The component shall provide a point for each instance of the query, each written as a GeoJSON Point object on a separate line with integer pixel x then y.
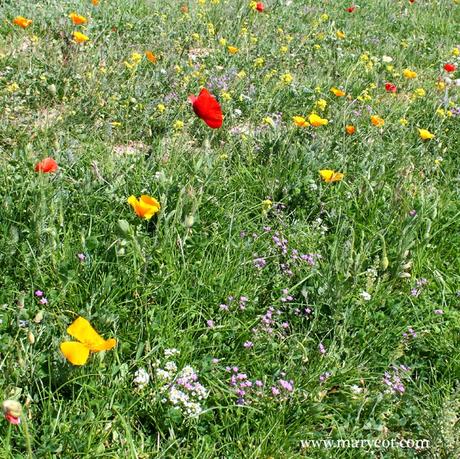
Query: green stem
{"type": "Point", "coordinates": [27, 437]}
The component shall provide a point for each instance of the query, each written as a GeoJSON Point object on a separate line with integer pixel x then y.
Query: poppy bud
{"type": "Point", "coordinates": [189, 221]}
{"type": "Point", "coordinates": [12, 411]}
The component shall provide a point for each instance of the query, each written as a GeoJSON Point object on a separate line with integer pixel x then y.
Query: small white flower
{"type": "Point", "coordinates": [142, 378]}
{"type": "Point", "coordinates": [356, 389]}
{"type": "Point", "coordinates": [387, 59]}
{"type": "Point", "coordinates": [365, 296]}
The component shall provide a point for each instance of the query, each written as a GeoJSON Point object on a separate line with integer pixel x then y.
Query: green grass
{"type": "Point", "coordinates": [153, 286]}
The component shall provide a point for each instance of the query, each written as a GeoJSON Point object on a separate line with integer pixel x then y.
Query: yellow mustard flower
{"type": "Point", "coordinates": [321, 104]}
{"type": "Point", "coordinates": [287, 78]}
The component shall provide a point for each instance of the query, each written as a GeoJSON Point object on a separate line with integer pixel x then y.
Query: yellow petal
{"type": "Point", "coordinates": [82, 330]}
{"type": "Point", "coordinates": [75, 353]}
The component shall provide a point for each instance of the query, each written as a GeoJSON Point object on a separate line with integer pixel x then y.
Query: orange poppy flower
{"type": "Point", "coordinates": [377, 121]}
{"type": "Point", "coordinates": [338, 92]}
{"type": "Point", "coordinates": [145, 207]}
{"type": "Point", "coordinates": [77, 19]}
{"type": "Point", "coordinates": [151, 57]}
{"type": "Point", "coordinates": [350, 129]}
{"type": "Point", "coordinates": [77, 353]}
{"type": "Point", "coordinates": [22, 22]}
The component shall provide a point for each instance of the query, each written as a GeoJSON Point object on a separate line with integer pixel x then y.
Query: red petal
{"type": "Point", "coordinates": [208, 109]}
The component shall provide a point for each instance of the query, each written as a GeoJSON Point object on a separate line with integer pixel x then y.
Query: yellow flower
{"type": "Point", "coordinates": [284, 49]}
{"type": "Point", "coordinates": [178, 125]}
{"type": "Point", "coordinates": [196, 36]}
{"type": "Point", "coordinates": [317, 46]}
{"type": "Point", "coordinates": [317, 121]}
{"type": "Point", "coordinates": [340, 35]}
{"type": "Point", "coordinates": [22, 21]}
{"type": "Point", "coordinates": [331, 176]}
{"type": "Point", "coordinates": [420, 92]}
{"type": "Point", "coordinates": [266, 205]}
{"type": "Point", "coordinates": [300, 121]}
{"type": "Point", "coordinates": [456, 51]}
{"type": "Point", "coordinates": [222, 41]}
{"type": "Point", "coordinates": [79, 37]}
{"type": "Point", "coordinates": [377, 121]}
{"type": "Point", "coordinates": [324, 17]}
{"type": "Point", "coordinates": [77, 19]}
{"type": "Point", "coordinates": [135, 58]}
{"type": "Point", "coordinates": [286, 78]}
{"type": "Point", "coordinates": [145, 207]}
{"type": "Point", "coordinates": [161, 108]}
{"type": "Point", "coordinates": [425, 134]}
{"type": "Point", "coordinates": [321, 104]}
{"type": "Point", "coordinates": [403, 122]}
{"type": "Point", "coordinates": [269, 121]}
{"type": "Point", "coordinates": [12, 87]}
{"type": "Point", "coordinates": [441, 112]}
{"type": "Point", "coordinates": [90, 341]}
{"type": "Point", "coordinates": [337, 92]}
{"type": "Point", "coordinates": [440, 85]}
{"type": "Point", "coordinates": [226, 96]}
{"type": "Point", "coordinates": [241, 74]}
{"type": "Point", "coordinates": [259, 62]}
{"type": "Point", "coordinates": [409, 74]}
{"type": "Point", "coordinates": [232, 49]}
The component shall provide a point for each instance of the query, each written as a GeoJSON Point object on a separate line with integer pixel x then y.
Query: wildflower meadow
{"type": "Point", "coordinates": [230, 229]}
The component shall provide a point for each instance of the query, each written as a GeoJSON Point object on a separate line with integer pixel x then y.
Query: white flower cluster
{"type": "Point", "coordinates": [181, 388]}
{"type": "Point", "coordinates": [141, 378]}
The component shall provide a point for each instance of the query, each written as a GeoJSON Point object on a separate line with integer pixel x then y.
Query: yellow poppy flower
{"type": "Point", "coordinates": [337, 92]}
{"type": "Point", "coordinates": [77, 19]}
{"type": "Point", "coordinates": [425, 134]}
{"type": "Point", "coordinates": [300, 121]}
{"type": "Point", "coordinates": [145, 207]}
{"type": "Point", "coordinates": [317, 121]}
{"type": "Point", "coordinates": [22, 21]}
{"type": "Point", "coordinates": [77, 353]}
{"type": "Point", "coordinates": [232, 49]}
{"type": "Point", "coordinates": [331, 176]}
{"type": "Point", "coordinates": [340, 35]}
{"type": "Point", "coordinates": [407, 73]}
{"type": "Point", "coordinates": [80, 37]}
{"type": "Point", "coordinates": [377, 121]}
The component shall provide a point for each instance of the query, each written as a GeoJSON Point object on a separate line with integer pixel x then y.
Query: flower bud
{"type": "Point", "coordinates": [12, 411]}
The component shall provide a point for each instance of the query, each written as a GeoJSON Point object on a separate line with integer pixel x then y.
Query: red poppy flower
{"type": "Point", "coordinates": [390, 87]}
{"type": "Point", "coordinates": [260, 7]}
{"type": "Point", "coordinates": [450, 67]}
{"type": "Point", "coordinates": [207, 108]}
{"type": "Point", "coordinates": [350, 9]}
{"type": "Point", "coordinates": [47, 165]}
{"type": "Point", "coordinates": [411, 1]}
